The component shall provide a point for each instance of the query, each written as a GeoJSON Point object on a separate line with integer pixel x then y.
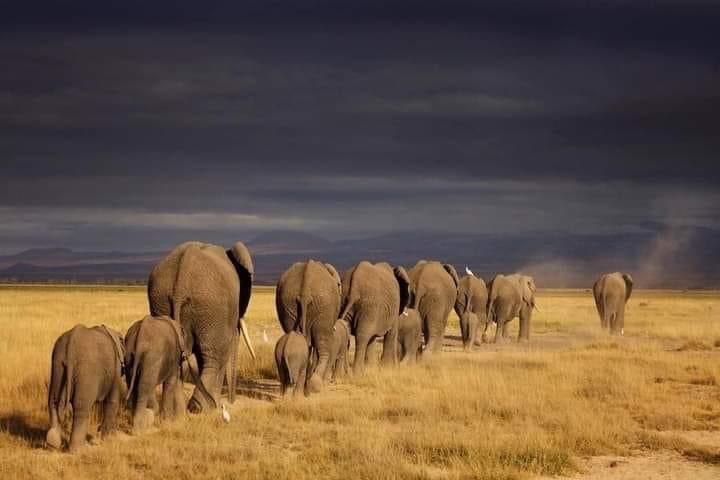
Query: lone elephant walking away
{"type": "Point", "coordinates": [206, 289]}
{"type": "Point", "coordinates": [307, 300]}
{"type": "Point", "coordinates": [87, 365]}
{"type": "Point", "coordinates": [611, 292]}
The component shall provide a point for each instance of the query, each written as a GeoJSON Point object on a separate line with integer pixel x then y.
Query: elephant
{"type": "Point", "coordinates": [611, 292]}
{"type": "Point", "coordinates": [339, 352]}
{"type": "Point", "coordinates": [435, 286]}
{"type": "Point", "coordinates": [87, 367]}
{"type": "Point", "coordinates": [510, 296]}
{"type": "Point", "coordinates": [470, 307]}
{"type": "Point", "coordinates": [307, 300]}
{"type": "Point", "coordinates": [206, 289]}
{"type": "Point", "coordinates": [292, 359]}
{"type": "Point", "coordinates": [409, 336]}
{"type": "Point", "coordinates": [154, 354]}
{"type": "Point", "coordinates": [373, 297]}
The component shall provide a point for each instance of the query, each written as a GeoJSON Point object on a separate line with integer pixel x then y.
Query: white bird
{"type": "Point", "coordinates": [468, 271]}
{"type": "Point", "coordinates": [265, 337]}
{"type": "Point", "coordinates": [225, 414]}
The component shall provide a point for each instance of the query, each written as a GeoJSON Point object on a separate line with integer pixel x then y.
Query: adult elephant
{"type": "Point", "coordinates": [307, 300]}
{"type": "Point", "coordinates": [511, 296]}
{"type": "Point", "coordinates": [611, 292]}
{"type": "Point", "coordinates": [435, 286]}
{"type": "Point", "coordinates": [471, 308]}
{"type": "Point", "coordinates": [373, 297]}
{"type": "Point", "coordinates": [206, 289]}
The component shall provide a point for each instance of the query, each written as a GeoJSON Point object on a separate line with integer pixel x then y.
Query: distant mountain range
{"type": "Point", "coordinates": [677, 258]}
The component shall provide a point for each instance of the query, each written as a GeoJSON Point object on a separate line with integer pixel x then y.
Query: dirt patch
{"type": "Point", "coordinates": [656, 466]}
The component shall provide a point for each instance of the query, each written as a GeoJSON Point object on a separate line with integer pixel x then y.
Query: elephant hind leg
{"type": "Point", "coordinates": [361, 349]}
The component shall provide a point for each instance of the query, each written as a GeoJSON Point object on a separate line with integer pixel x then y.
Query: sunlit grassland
{"type": "Point", "coordinates": [506, 411]}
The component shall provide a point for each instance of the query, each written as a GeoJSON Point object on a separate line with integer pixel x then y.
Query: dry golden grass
{"type": "Point", "coordinates": [501, 412]}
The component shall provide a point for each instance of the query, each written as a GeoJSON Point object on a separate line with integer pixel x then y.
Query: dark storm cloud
{"type": "Point", "coordinates": [120, 119]}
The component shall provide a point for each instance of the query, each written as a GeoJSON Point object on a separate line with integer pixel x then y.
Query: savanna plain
{"type": "Point", "coordinates": [573, 402]}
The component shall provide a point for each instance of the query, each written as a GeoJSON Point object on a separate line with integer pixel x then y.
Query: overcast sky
{"type": "Point", "coordinates": [134, 125]}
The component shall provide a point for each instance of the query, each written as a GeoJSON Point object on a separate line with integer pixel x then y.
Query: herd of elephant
{"type": "Point", "coordinates": [198, 296]}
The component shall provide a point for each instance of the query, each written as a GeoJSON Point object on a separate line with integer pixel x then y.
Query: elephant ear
{"type": "Point", "coordinates": [336, 276]}
{"type": "Point", "coordinates": [240, 257]}
{"type": "Point", "coordinates": [628, 285]}
{"type": "Point", "coordinates": [406, 294]}
{"type": "Point", "coordinates": [453, 273]}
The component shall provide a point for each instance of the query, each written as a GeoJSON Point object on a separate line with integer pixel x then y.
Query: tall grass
{"type": "Point", "coordinates": [500, 412]}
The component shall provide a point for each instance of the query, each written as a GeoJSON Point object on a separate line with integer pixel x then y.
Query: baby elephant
{"type": "Point", "coordinates": [409, 336]}
{"type": "Point", "coordinates": [291, 356]}
{"type": "Point", "coordinates": [154, 349]}
{"type": "Point", "coordinates": [339, 361]}
{"type": "Point", "coordinates": [87, 365]}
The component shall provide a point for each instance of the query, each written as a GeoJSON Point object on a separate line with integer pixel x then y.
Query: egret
{"type": "Point", "coordinates": [468, 271]}
{"type": "Point", "coordinates": [225, 414]}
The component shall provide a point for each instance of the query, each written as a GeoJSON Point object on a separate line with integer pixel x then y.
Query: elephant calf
{"type": "Point", "coordinates": [339, 355]}
{"type": "Point", "coordinates": [291, 357]}
{"type": "Point", "coordinates": [409, 336]}
{"type": "Point", "coordinates": [154, 349]}
{"type": "Point", "coordinates": [87, 366]}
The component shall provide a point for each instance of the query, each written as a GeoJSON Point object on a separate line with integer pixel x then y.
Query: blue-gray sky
{"type": "Point", "coordinates": [135, 125]}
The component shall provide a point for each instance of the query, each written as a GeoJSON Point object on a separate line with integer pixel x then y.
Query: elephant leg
{"type": "Point", "coordinates": [211, 376]}
{"type": "Point", "coordinates": [330, 370]}
{"type": "Point", "coordinates": [620, 321]}
{"type": "Point", "coordinates": [231, 369]}
{"type": "Point", "coordinates": [500, 330]}
{"type": "Point", "coordinates": [322, 340]}
{"type": "Point", "coordinates": [172, 397]}
{"type": "Point", "coordinates": [81, 418]}
{"type": "Point", "coordinates": [465, 330]}
{"type": "Point", "coordinates": [361, 348]}
{"type": "Point", "coordinates": [111, 407]}
{"type": "Point", "coordinates": [525, 314]}
{"type": "Point", "coordinates": [389, 354]}
{"type": "Point", "coordinates": [145, 402]}
{"type": "Point", "coordinates": [436, 321]}
{"type": "Point", "coordinates": [300, 384]}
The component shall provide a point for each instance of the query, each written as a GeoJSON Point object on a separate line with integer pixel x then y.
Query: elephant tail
{"type": "Point", "coordinates": [59, 379]}
{"type": "Point", "coordinates": [491, 309]}
{"type": "Point", "coordinates": [301, 323]}
{"type": "Point", "coordinates": [133, 375]}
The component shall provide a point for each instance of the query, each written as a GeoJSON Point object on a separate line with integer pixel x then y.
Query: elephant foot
{"type": "Point", "coordinates": [54, 438]}
{"type": "Point", "coordinates": [523, 340]}
{"type": "Point", "coordinates": [93, 440]}
{"type": "Point", "coordinates": [315, 384]}
{"type": "Point", "coordinates": [194, 406]}
{"type": "Point", "coordinates": [143, 420]}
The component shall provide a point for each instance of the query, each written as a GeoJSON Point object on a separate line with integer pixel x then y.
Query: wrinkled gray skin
{"type": "Point", "coordinates": [86, 368]}
{"type": "Point", "coordinates": [471, 309]}
{"type": "Point", "coordinates": [206, 289]}
{"type": "Point", "coordinates": [292, 358]}
{"type": "Point", "coordinates": [339, 356]}
{"type": "Point", "coordinates": [373, 297]}
{"type": "Point", "coordinates": [307, 300]}
{"type": "Point", "coordinates": [611, 292]}
{"type": "Point", "coordinates": [435, 286]}
{"type": "Point", "coordinates": [152, 358]}
{"type": "Point", "coordinates": [409, 336]}
{"type": "Point", "coordinates": [510, 296]}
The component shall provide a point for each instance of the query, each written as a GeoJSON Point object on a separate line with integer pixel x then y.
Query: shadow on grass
{"type": "Point", "coordinates": [18, 426]}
